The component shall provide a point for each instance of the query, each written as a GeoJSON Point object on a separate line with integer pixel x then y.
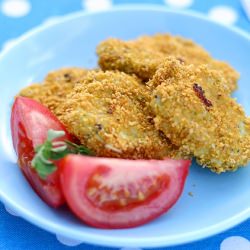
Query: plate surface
{"type": "Point", "coordinates": [219, 201]}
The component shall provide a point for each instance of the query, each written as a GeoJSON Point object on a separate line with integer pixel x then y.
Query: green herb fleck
{"type": "Point", "coordinates": [50, 151]}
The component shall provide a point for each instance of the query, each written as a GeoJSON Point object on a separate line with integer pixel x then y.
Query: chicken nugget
{"type": "Point", "coordinates": [54, 89]}
{"type": "Point", "coordinates": [144, 55]}
{"type": "Point", "coordinates": [194, 112]}
{"type": "Point", "coordinates": [107, 112]}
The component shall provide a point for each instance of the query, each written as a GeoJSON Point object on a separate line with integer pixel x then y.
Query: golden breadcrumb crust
{"type": "Point", "coordinates": [193, 110]}
{"type": "Point", "coordinates": [52, 92]}
{"type": "Point", "coordinates": [107, 112]}
{"type": "Point", "coordinates": [144, 55]}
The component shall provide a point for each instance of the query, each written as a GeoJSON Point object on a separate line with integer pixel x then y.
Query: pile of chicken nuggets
{"type": "Point", "coordinates": [151, 98]}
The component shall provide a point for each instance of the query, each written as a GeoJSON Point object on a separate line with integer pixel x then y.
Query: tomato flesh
{"type": "Point", "coordinates": [123, 196]}
{"type": "Point", "coordinates": [118, 193]}
{"type": "Point", "coordinates": [30, 122]}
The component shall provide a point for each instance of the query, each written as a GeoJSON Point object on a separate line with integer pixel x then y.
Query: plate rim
{"type": "Point", "coordinates": [92, 238]}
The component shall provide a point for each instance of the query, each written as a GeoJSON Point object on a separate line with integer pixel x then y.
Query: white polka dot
{"type": "Point", "coordinates": [10, 211]}
{"type": "Point", "coordinates": [15, 8]}
{"type": "Point", "coordinates": [235, 243]}
{"type": "Point", "coordinates": [94, 5]}
{"type": "Point", "coordinates": [10, 43]}
{"type": "Point", "coordinates": [223, 14]}
{"type": "Point", "coordinates": [68, 242]}
{"type": "Point", "coordinates": [179, 3]}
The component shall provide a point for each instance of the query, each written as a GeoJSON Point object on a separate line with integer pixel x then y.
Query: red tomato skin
{"type": "Point", "coordinates": [69, 170]}
{"type": "Point", "coordinates": [30, 122]}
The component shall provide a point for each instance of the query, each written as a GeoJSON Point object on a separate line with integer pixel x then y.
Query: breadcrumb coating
{"type": "Point", "coordinates": [144, 55]}
{"type": "Point", "coordinates": [184, 110]}
{"type": "Point", "coordinates": [193, 110]}
{"type": "Point", "coordinates": [53, 91]}
{"type": "Point", "coordinates": [107, 112]}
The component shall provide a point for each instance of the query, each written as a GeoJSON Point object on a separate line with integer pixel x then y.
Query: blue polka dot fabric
{"type": "Point", "coordinates": [17, 17]}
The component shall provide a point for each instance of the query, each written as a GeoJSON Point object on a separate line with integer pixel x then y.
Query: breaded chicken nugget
{"type": "Point", "coordinates": [144, 55]}
{"type": "Point", "coordinates": [56, 86]}
{"type": "Point", "coordinates": [107, 112]}
{"type": "Point", "coordinates": [194, 112]}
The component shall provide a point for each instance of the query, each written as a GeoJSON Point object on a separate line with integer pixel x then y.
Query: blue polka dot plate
{"type": "Point", "coordinates": [218, 202]}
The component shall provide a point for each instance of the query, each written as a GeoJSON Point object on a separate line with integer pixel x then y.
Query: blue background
{"type": "Point", "coordinates": [16, 233]}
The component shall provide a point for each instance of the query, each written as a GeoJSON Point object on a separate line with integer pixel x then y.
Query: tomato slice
{"type": "Point", "coordinates": [30, 122]}
{"type": "Point", "coordinates": [118, 193]}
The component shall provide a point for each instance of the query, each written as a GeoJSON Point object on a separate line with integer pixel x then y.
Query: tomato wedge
{"type": "Point", "coordinates": [118, 193]}
{"type": "Point", "coordinates": [30, 122]}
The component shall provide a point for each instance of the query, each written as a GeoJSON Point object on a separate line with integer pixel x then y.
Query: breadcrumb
{"type": "Point", "coordinates": [108, 113]}
{"type": "Point", "coordinates": [53, 91]}
{"type": "Point", "coordinates": [193, 110]}
{"type": "Point", "coordinates": [144, 56]}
